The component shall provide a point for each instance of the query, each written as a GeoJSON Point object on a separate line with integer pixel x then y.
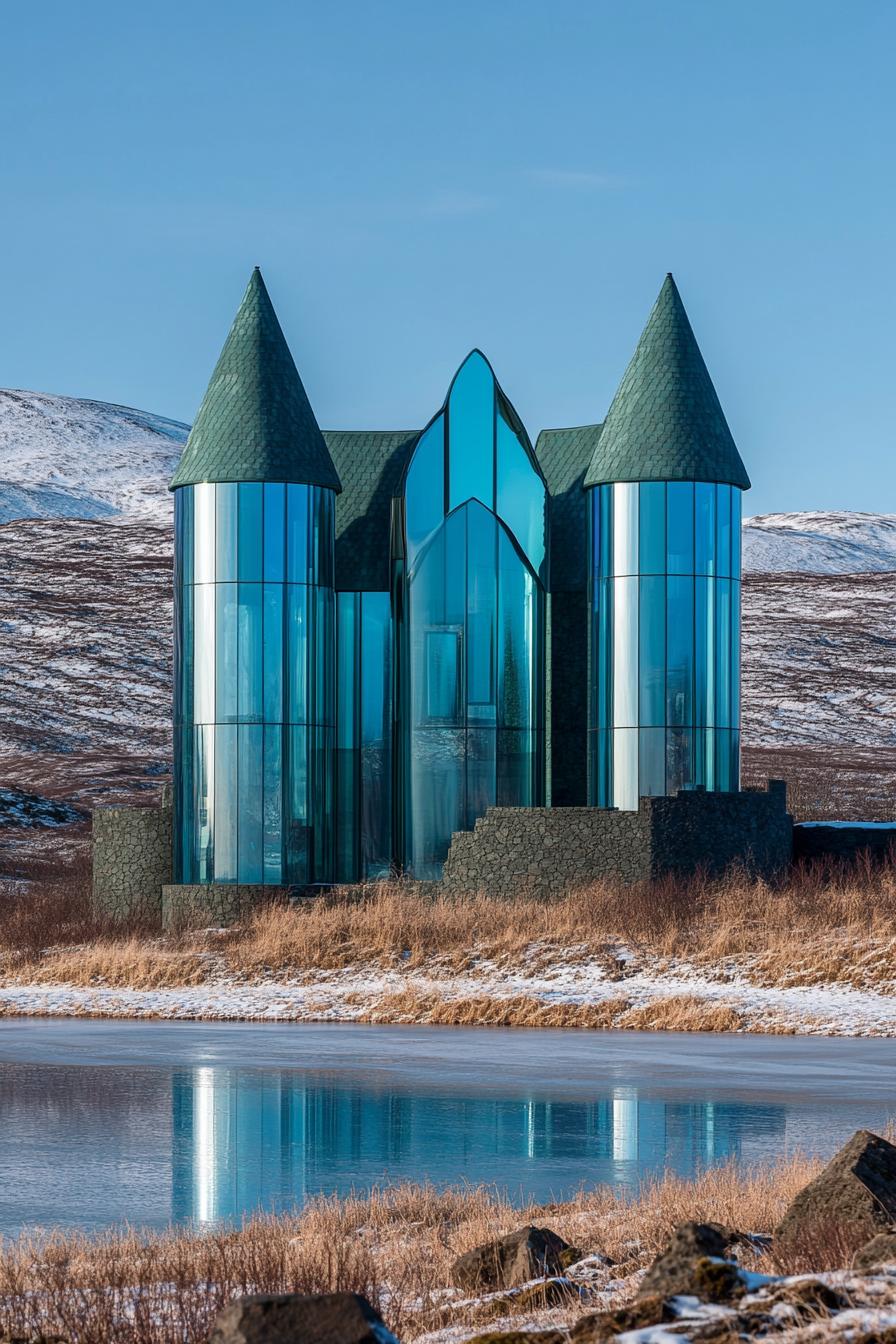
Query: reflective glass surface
{"type": "Point", "coordinates": [254, 689]}
{"type": "Point", "coordinates": [471, 622]}
{"type": "Point", "coordinates": [665, 680]}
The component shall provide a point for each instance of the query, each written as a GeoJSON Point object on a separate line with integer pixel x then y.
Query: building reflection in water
{"type": "Point", "coordinates": [248, 1139]}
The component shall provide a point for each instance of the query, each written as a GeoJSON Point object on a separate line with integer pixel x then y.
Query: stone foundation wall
{"type": "Point", "coordinates": [131, 860]}
{"type": "Point", "coordinates": [216, 904]}
{"type": "Point", "coordinates": [844, 843]}
{"type": "Point", "coordinates": [548, 851]}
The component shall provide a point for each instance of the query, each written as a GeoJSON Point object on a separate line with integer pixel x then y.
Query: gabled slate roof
{"type": "Point", "coordinates": [665, 422]}
{"type": "Point", "coordinates": [370, 465]}
{"type": "Point", "coordinates": [564, 455]}
{"type": "Point", "coordinates": [255, 422]}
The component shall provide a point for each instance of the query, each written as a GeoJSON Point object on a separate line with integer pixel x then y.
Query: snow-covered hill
{"type": "Point", "coordinates": [820, 543]}
{"type": "Point", "coordinates": [62, 457]}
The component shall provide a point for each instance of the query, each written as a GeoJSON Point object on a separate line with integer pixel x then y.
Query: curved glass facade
{"type": "Point", "coordinates": [472, 622]}
{"type": "Point", "coordinates": [665, 640]}
{"type": "Point", "coordinates": [254, 683]}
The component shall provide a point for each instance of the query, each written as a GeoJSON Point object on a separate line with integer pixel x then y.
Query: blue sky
{"type": "Point", "coordinates": [416, 178]}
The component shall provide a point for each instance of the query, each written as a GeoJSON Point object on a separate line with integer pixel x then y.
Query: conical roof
{"type": "Point", "coordinates": [255, 422]}
{"type": "Point", "coordinates": [666, 423]}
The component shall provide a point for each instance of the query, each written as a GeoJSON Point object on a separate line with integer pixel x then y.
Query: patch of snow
{"type": "Point", "coordinates": [820, 542]}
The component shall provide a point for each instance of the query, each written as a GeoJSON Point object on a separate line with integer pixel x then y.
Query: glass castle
{"type": "Point", "coordinates": [381, 634]}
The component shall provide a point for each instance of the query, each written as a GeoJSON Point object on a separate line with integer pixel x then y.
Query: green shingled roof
{"type": "Point", "coordinates": [564, 456]}
{"type": "Point", "coordinates": [665, 423]}
{"type": "Point", "coordinates": [370, 464]}
{"type": "Point", "coordinates": [255, 422]}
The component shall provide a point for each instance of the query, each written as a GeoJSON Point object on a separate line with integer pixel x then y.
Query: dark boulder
{"type": "Point", "coordinates": [857, 1188]}
{"type": "Point", "coordinates": [606, 1325]}
{"type": "Point", "coordinates": [528, 1253]}
{"type": "Point", "coordinates": [694, 1262]}
{"type": "Point", "coordinates": [880, 1250]}
{"type": "Point", "coordinates": [294, 1318]}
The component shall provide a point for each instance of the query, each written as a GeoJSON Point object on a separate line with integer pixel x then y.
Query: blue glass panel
{"type": "Point", "coordinates": [625, 528]}
{"type": "Point", "coordinates": [625, 769]}
{"type": "Point", "coordinates": [273, 806]}
{"type": "Point", "coordinates": [203, 803]}
{"type": "Point", "coordinates": [273, 652]}
{"type": "Point", "coordinates": [455, 571]}
{"type": "Point", "coordinates": [249, 657]}
{"type": "Point", "coordinates": [704, 653]}
{"type": "Point", "coordinates": [603, 655]}
{"type": "Point", "coordinates": [274, 532]}
{"type": "Point", "coordinates": [297, 534]}
{"type": "Point", "coordinates": [183, 655]}
{"type": "Point", "coordinates": [204, 533]}
{"type": "Point", "coordinates": [652, 527]}
{"type": "Point", "coordinates": [226, 653]}
{"type": "Point", "coordinates": [226, 516]}
{"type": "Point", "coordinates": [704, 758]}
{"type": "Point", "coordinates": [724, 780]}
{"type": "Point", "coordinates": [519, 640]}
{"type": "Point", "coordinates": [347, 793]}
{"type": "Point", "coordinates": [425, 488]}
{"type": "Point", "coordinates": [705, 527]}
{"type": "Point", "coordinates": [320, 784]}
{"type": "Point", "coordinates": [480, 773]}
{"type": "Point", "coordinates": [437, 798]}
{"type": "Point", "coordinates": [226, 803]}
{"type": "Point", "coordinates": [604, 499]}
{"type": "Point", "coordinates": [516, 757]}
{"type": "Point", "coordinates": [521, 496]}
{"type": "Point", "coordinates": [625, 654]}
{"type": "Point", "coordinates": [679, 759]}
{"type": "Point", "coordinates": [723, 529]}
{"type": "Point", "coordinates": [251, 535]}
{"type": "Point", "coordinates": [297, 652]}
{"type": "Point", "coordinates": [442, 671]}
{"type": "Point", "coordinates": [297, 829]}
{"type": "Point", "coordinates": [723, 654]}
{"type": "Point", "coordinates": [652, 653]}
{"type": "Point", "coordinates": [204, 653]}
{"type": "Point", "coordinates": [734, 669]}
{"type": "Point", "coordinates": [347, 668]}
{"type": "Point", "coordinates": [251, 803]}
{"type": "Point", "coordinates": [183, 775]}
{"type": "Point", "coordinates": [321, 690]}
{"type": "Point", "coordinates": [471, 434]}
{"type": "Point", "coordinates": [680, 651]}
{"type": "Point", "coordinates": [376, 734]}
{"type": "Point", "coordinates": [736, 534]}
{"type": "Point", "coordinates": [652, 762]}
{"type": "Point", "coordinates": [482, 601]}
{"type": "Point", "coordinates": [184, 539]}
{"type": "Point", "coordinates": [680, 527]}
{"type": "Point", "coordinates": [323, 506]}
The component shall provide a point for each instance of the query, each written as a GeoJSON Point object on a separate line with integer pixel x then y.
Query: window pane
{"type": "Point", "coordinates": [481, 621]}
{"type": "Point", "coordinates": [723, 760]}
{"type": "Point", "coordinates": [249, 660]}
{"type": "Point", "coordinates": [183, 534]}
{"type": "Point", "coordinates": [516, 766]}
{"type": "Point", "coordinates": [679, 759]}
{"type": "Point", "coordinates": [226, 802]}
{"type": "Point", "coordinates": [323, 505]}
{"type": "Point", "coordinates": [481, 773]}
{"type": "Point", "coordinates": [204, 653]}
{"type": "Point", "coordinates": [519, 640]}
{"type": "Point", "coordinates": [226, 507]}
{"type": "Point", "coordinates": [425, 488]}
{"type": "Point", "coordinates": [204, 530]}
{"type": "Point", "coordinates": [653, 651]}
{"type": "Point", "coordinates": [226, 647]}
{"type": "Point", "coordinates": [297, 534]}
{"type": "Point", "coordinates": [625, 653]}
{"type": "Point", "coordinates": [652, 762]}
{"type": "Point", "coordinates": [203, 807]}
{"type": "Point", "coordinates": [297, 838]}
{"type": "Point", "coordinates": [625, 528]}
{"type": "Point", "coordinates": [521, 496]}
{"type": "Point", "coordinates": [680, 651]}
{"type": "Point", "coordinates": [604, 500]}
{"type": "Point", "coordinates": [273, 805]}
{"type": "Point", "coordinates": [704, 652]}
{"type": "Point", "coordinates": [736, 534]}
{"type": "Point", "coordinates": [705, 527]}
{"type": "Point", "coordinates": [652, 527]}
{"type": "Point", "coordinates": [251, 796]}
{"type": "Point", "coordinates": [437, 801]}
{"type": "Point", "coordinates": [250, 532]}
{"type": "Point", "coordinates": [734, 669]}
{"type": "Point", "coordinates": [347, 668]}
{"type": "Point", "coordinates": [680, 527]}
{"type": "Point", "coordinates": [274, 532]}
{"type": "Point", "coordinates": [443, 650]}
{"type": "Point", "coordinates": [471, 435]}
{"type": "Point", "coordinates": [273, 652]}
{"type": "Point", "coordinates": [723, 654]}
{"type": "Point", "coordinates": [376, 733]}
{"type": "Point", "coordinates": [723, 528]}
{"type": "Point", "coordinates": [297, 652]}
{"type": "Point", "coordinates": [625, 769]}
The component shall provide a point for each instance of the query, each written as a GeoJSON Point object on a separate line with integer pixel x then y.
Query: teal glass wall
{"type": "Point", "coordinates": [363, 736]}
{"type": "Point", "coordinates": [472, 612]}
{"type": "Point", "coordinates": [665, 640]}
{"type": "Point", "coordinates": [254, 683]}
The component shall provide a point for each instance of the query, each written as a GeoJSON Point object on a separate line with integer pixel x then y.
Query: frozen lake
{"type": "Point", "coordinates": [151, 1123]}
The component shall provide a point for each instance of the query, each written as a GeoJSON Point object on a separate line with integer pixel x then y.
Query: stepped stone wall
{"type": "Point", "coordinates": [547, 851]}
{"type": "Point", "coordinates": [132, 860]}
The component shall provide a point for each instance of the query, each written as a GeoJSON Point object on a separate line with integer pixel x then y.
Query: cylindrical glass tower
{"type": "Point", "coordinates": [254, 672]}
{"type": "Point", "coordinates": [665, 516]}
{"type": "Point", "coordinates": [254, 712]}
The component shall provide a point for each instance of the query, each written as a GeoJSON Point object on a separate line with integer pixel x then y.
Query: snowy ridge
{"type": "Point", "coordinates": [820, 543]}
{"type": "Point", "coordinates": [63, 457]}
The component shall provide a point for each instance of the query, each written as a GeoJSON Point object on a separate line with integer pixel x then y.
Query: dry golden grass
{"type": "Point", "coordinates": [520, 1010]}
{"type": "Point", "coordinates": [395, 1247]}
{"type": "Point", "coordinates": [130, 963]}
{"type": "Point", "coordinates": [680, 1012]}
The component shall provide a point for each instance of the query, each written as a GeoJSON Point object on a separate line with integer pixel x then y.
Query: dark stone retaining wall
{"type": "Point", "coordinates": [848, 843]}
{"type": "Point", "coordinates": [546, 851]}
{"type": "Point", "coordinates": [132, 860]}
{"type": "Point", "coordinates": [217, 903]}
